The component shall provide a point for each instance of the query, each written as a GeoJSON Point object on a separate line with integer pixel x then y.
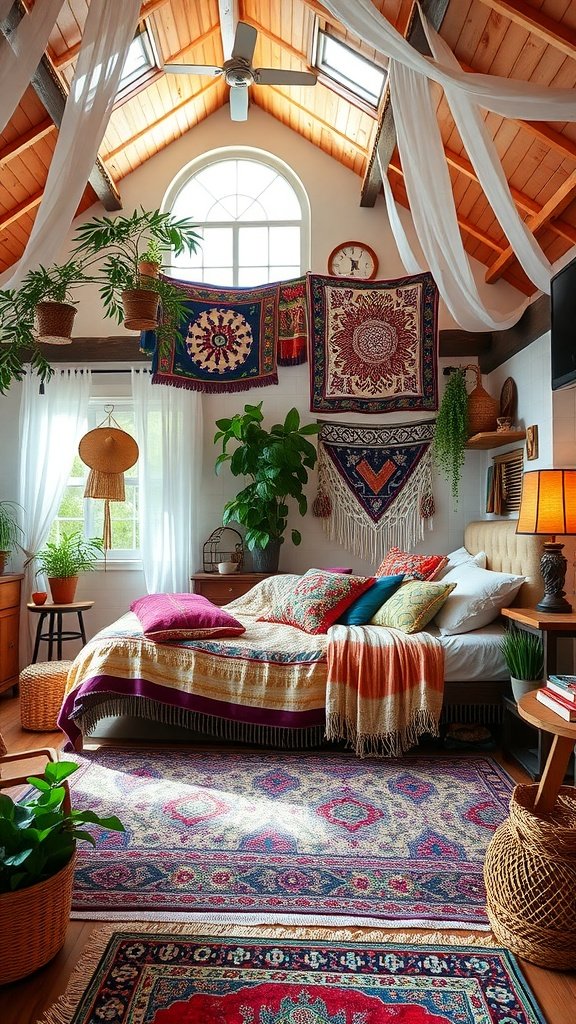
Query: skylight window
{"type": "Point", "coordinates": [356, 74]}
{"type": "Point", "coordinates": [139, 66]}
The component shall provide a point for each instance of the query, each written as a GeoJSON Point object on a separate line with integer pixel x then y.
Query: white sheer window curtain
{"type": "Point", "coordinates": [169, 435]}
{"type": "Point", "coordinates": [108, 32]}
{"type": "Point", "coordinates": [51, 425]}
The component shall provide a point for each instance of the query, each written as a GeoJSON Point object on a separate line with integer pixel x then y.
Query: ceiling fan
{"type": "Point", "coordinates": [239, 73]}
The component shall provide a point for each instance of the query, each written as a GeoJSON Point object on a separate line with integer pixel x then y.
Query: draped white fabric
{"type": "Point", "coordinates": [411, 264]}
{"type": "Point", "coordinates": [51, 426]}
{"type": "Point", "coordinates": [434, 213]}
{"type": "Point", "coordinates": [169, 435]}
{"type": "Point", "coordinates": [108, 32]}
{"type": "Point", "coordinates": [21, 54]}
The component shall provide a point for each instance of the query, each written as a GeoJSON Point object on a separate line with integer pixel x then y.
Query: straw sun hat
{"type": "Point", "coordinates": [109, 452]}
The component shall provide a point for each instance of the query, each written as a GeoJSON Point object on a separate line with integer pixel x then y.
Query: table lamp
{"type": "Point", "coordinates": [548, 506]}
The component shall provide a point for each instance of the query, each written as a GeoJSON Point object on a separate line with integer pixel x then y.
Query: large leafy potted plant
{"type": "Point", "coordinates": [63, 560]}
{"type": "Point", "coordinates": [523, 653]}
{"type": "Point", "coordinates": [10, 531]}
{"type": "Point", "coordinates": [49, 291]}
{"type": "Point", "coordinates": [37, 846]}
{"type": "Point", "coordinates": [276, 462]}
{"type": "Point", "coordinates": [451, 429]}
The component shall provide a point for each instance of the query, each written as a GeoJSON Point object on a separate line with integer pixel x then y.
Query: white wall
{"type": "Point", "coordinates": [334, 194]}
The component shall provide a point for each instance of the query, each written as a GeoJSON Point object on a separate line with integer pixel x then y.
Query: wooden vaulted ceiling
{"type": "Point", "coordinates": [533, 40]}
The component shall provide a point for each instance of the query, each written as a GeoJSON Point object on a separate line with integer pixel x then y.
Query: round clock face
{"type": "Point", "coordinates": [353, 259]}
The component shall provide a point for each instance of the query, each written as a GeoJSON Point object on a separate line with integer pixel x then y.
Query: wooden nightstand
{"type": "Point", "coordinates": [220, 589]}
{"type": "Point", "coordinates": [9, 629]}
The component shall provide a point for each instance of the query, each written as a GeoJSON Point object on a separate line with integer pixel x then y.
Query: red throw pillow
{"type": "Point", "coordinates": [413, 567]}
{"type": "Point", "coordinates": [183, 617]}
{"type": "Point", "coordinates": [318, 599]}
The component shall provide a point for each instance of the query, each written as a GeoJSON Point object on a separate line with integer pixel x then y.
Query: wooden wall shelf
{"type": "Point", "coordinates": [494, 439]}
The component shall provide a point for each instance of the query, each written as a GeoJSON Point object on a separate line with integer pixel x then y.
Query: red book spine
{"type": "Point", "coordinates": [564, 708]}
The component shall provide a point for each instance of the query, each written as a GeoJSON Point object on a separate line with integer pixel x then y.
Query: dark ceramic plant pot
{"type": "Point", "coordinates": [266, 559]}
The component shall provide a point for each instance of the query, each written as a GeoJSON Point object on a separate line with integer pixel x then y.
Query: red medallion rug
{"type": "Point", "coordinates": [170, 977]}
{"type": "Point", "coordinates": [318, 838]}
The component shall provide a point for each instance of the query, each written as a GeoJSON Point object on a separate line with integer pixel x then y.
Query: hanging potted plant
{"type": "Point", "coordinates": [62, 561]}
{"type": "Point", "coordinates": [277, 463]}
{"type": "Point", "coordinates": [19, 342]}
{"type": "Point", "coordinates": [129, 295]}
{"type": "Point", "coordinates": [37, 846]}
{"type": "Point", "coordinates": [451, 429]}
{"type": "Point", "coordinates": [150, 263]}
{"type": "Point", "coordinates": [49, 292]}
{"type": "Point", "coordinates": [10, 531]}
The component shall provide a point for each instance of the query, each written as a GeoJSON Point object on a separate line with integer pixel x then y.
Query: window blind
{"type": "Point", "coordinates": [511, 466]}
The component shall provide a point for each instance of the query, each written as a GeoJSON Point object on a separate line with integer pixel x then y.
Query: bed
{"type": "Point", "coordinates": [268, 686]}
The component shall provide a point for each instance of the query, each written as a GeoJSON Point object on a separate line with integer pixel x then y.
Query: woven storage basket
{"type": "Point", "coordinates": [140, 309]}
{"type": "Point", "coordinates": [530, 877]}
{"type": "Point", "coordinates": [33, 924]}
{"type": "Point", "coordinates": [54, 321]}
{"type": "Point", "coordinates": [482, 408]}
{"type": "Point", "coordinates": [41, 694]}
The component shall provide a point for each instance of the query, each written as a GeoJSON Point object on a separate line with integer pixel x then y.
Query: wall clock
{"type": "Point", "coordinates": [353, 259]}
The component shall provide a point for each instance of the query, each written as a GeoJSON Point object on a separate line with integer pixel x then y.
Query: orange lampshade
{"type": "Point", "coordinates": [548, 502]}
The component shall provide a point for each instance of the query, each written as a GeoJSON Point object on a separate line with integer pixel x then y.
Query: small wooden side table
{"type": "Point", "coordinates": [548, 625]}
{"type": "Point", "coordinates": [55, 632]}
{"type": "Point", "coordinates": [222, 588]}
{"type": "Point", "coordinates": [561, 750]}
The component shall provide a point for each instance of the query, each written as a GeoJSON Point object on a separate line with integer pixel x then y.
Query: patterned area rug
{"type": "Point", "coordinates": [321, 838]}
{"type": "Point", "coordinates": [169, 977]}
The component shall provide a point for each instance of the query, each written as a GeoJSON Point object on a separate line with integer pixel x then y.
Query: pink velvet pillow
{"type": "Point", "coordinates": [183, 617]}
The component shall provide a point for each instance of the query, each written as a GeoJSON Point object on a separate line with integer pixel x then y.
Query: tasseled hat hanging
{"type": "Point", "coordinates": [109, 452]}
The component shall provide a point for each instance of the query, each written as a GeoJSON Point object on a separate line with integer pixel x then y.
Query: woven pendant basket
{"type": "Point", "coordinates": [482, 408]}
{"type": "Point", "coordinates": [140, 309]}
{"type": "Point", "coordinates": [33, 924]}
{"type": "Point", "coordinates": [530, 878]}
{"type": "Point", "coordinates": [109, 451]}
{"type": "Point", "coordinates": [54, 322]}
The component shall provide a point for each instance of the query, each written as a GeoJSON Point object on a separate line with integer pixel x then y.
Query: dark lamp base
{"type": "Point", "coordinates": [554, 603]}
{"type": "Point", "coordinates": [553, 567]}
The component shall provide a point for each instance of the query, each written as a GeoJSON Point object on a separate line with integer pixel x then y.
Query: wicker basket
{"type": "Point", "coordinates": [54, 322]}
{"type": "Point", "coordinates": [530, 877]}
{"type": "Point", "coordinates": [483, 410]}
{"type": "Point", "coordinates": [140, 309]}
{"type": "Point", "coordinates": [33, 924]}
{"type": "Point", "coordinates": [42, 689]}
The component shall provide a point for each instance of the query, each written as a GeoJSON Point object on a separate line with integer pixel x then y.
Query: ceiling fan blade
{"type": "Point", "coordinates": [275, 76]}
{"type": "Point", "coordinates": [244, 41]}
{"type": "Point", "coordinates": [239, 103]}
{"type": "Point", "coordinates": [192, 69]}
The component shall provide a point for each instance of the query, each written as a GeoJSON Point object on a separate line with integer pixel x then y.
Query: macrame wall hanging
{"type": "Point", "coordinates": [375, 485]}
{"type": "Point", "coordinates": [109, 451]}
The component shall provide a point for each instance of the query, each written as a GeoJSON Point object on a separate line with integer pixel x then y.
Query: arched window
{"type": "Point", "coordinates": [253, 215]}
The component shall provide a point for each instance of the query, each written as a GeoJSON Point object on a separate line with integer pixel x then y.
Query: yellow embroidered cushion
{"type": "Point", "coordinates": [412, 606]}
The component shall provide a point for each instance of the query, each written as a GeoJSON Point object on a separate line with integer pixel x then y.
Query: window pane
{"type": "Point", "coordinates": [217, 247]}
{"type": "Point", "coordinates": [284, 245]}
{"type": "Point", "coordinates": [250, 276]}
{"type": "Point", "coordinates": [253, 247]}
{"type": "Point", "coordinates": [280, 201]}
{"type": "Point", "coordinates": [359, 75]}
{"type": "Point", "coordinates": [222, 276]}
{"type": "Point", "coordinates": [254, 177]}
{"type": "Point", "coordinates": [283, 273]}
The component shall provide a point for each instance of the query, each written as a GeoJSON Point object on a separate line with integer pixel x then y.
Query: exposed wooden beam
{"type": "Point", "coordinates": [30, 203]}
{"type": "Point", "coordinates": [385, 140]}
{"type": "Point", "coordinates": [555, 205]}
{"type": "Point", "coordinates": [33, 135]}
{"type": "Point", "coordinates": [539, 24]}
{"type": "Point", "coordinates": [62, 60]}
{"type": "Point", "coordinates": [51, 92]}
{"type": "Point", "coordinates": [534, 322]}
{"type": "Point", "coordinates": [561, 143]}
{"type": "Point", "coordinates": [197, 41]}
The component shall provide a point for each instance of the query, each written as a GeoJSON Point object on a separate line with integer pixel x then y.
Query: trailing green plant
{"type": "Point", "coordinates": [69, 556]}
{"type": "Point", "coordinates": [18, 341]}
{"type": "Point", "coordinates": [276, 461]}
{"type": "Point", "coordinates": [524, 654]}
{"type": "Point", "coordinates": [38, 836]}
{"type": "Point", "coordinates": [10, 530]}
{"type": "Point", "coordinates": [451, 430]}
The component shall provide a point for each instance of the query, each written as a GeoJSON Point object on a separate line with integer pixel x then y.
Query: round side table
{"type": "Point", "coordinates": [561, 751]}
{"type": "Point", "coordinates": [55, 632]}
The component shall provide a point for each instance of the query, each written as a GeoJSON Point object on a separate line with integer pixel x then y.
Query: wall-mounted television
{"type": "Point", "coordinates": [563, 326]}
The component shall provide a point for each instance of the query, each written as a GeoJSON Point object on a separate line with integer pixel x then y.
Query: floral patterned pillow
{"type": "Point", "coordinates": [413, 567]}
{"type": "Point", "coordinates": [317, 600]}
{"type": "Point", "coordinates": [413, 605]}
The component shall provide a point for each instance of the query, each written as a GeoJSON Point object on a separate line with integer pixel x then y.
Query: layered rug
{"type": "Point", "coordinates": [321, 838]}
{"type": "Point", "coordinates": [169, 977]}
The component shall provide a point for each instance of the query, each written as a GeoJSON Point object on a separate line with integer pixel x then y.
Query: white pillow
{"type": "Point", "coordinates": [462, 557]}
{"type": "Point", "coordinates": [478, 598]}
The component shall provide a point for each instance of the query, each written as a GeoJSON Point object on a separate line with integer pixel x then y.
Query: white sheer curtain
{"type": "Point", "coordinates": [20, 55]}
{"type": "Point", "coordinates": [108, 32]}
{"type": "Point", "coordinates": [51, 425]}
{"type": "Point", "coordinates": [409, 260]}
{"type": "Point", "coordinates": [169, 435]}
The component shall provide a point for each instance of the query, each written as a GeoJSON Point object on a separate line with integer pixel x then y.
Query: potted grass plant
{"type": "Point", "coordinates": [63, 560]}
{"type": "Point", "coordinates": [10, 531]}
{"type": "Point", "coordinates": [276, 461]}
{"type": "Point", "coordinates": [38, 839]}
{"type": "Point", "coordinates": [523, 653]}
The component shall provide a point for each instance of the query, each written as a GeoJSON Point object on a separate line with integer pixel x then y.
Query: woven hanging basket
{"type": "Point", "coordinates": [54, 322]}
{"type": "Point", "coordinates": [33, 924]}
{"type": "Point", "coordinates": [530, 878]}
{"type": "Point", "coordinates": [483, 410]}
{"type": "Point", "coordinates": [109, 452]}
{"type": "Point", "coordinates": [140, 309]}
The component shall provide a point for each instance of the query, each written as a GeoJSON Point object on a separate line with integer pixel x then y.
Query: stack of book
{"type": "Point", "coordinates": [559, 695]}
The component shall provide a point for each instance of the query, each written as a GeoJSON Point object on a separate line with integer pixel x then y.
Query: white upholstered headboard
{"type": "Point", "coordinates": [508, 551]}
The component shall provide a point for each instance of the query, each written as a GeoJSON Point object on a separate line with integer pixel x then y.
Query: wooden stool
{"type": "Point", "coordinates": [42, 689]}
{"type": "Point", "coordinates": [55, 632]}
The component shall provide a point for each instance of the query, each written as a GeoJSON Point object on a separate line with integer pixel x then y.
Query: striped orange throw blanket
{"type": "Point", "coordinates": [384, 688]}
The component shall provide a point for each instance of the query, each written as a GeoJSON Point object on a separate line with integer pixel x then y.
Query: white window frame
{"type": "Point", "coordinates": [346, 87]}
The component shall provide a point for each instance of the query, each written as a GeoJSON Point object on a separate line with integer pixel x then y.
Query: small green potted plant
{"type": "Point", "coordinates": [276, 461]}
{"type": "Point", "coordinates": [38, 839]}
{"type": "Point", "coordinates": [451, 429]}
{"type": "Point", "coordinates": [523, 653]}
{"type": "Point", "coordinates": [10, 531]}
{"type": "Point", "coordinates": [50, 292]}
{"type": "Point", "coordinates": [62, 561]}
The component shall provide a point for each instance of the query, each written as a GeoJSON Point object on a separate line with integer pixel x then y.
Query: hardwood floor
{"type": "Point", "coordinates": [24, 1002]}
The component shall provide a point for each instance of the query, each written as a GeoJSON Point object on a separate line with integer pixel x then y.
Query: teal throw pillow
{"type": "Point", "coordinates": [364, 607]}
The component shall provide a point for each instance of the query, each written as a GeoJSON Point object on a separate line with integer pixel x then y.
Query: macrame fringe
{"type": "Point", "coordinates": [62, 1012]}
{"type": "Point", "coordinates": [211, 388]}
{"type": "Point", "coordinates": [391, 744]}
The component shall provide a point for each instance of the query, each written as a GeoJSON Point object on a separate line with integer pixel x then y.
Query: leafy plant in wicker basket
{"type": "Point", "coordinates": [451, 429]}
